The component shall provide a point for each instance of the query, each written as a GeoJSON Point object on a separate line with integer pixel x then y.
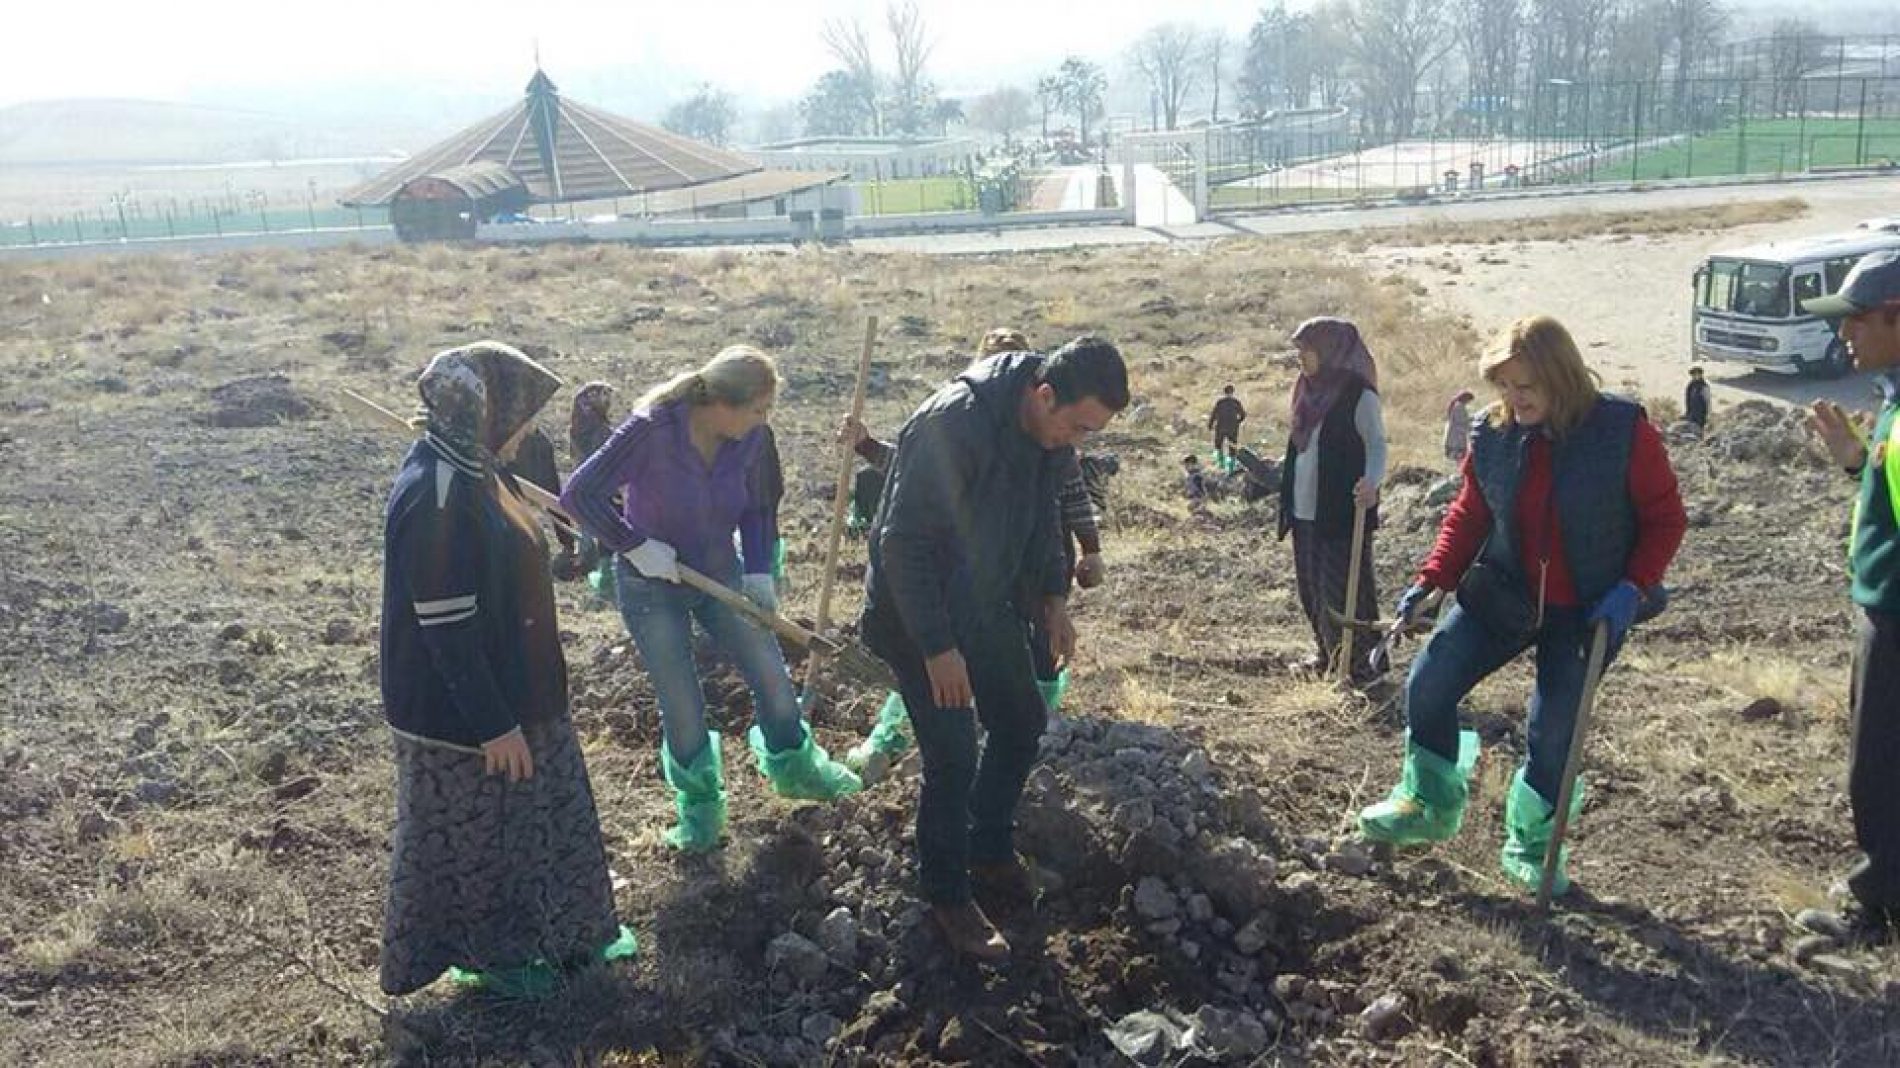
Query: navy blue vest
{"type": "Point", "coordinates": [1590, 476]}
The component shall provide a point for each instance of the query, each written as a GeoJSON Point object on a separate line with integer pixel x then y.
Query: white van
{"type": "Point", "coordinates": [1748, 302]}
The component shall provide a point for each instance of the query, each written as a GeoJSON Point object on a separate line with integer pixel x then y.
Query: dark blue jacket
{"type": "Point", "coordinates": [470, 647]}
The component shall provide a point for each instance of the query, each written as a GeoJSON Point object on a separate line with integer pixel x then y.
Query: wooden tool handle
{"type": "Point", "coordinates": [843, 495]}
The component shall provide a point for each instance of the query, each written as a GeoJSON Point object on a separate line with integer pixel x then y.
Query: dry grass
{"type": "Point", "coordinates": [1579, 225]}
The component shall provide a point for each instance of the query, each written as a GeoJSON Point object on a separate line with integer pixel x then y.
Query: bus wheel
{"type": "Point", "coordinates": [1833, 364]}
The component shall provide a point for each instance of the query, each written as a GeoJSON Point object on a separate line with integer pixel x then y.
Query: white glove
{"type": "Point", "coordinates": [655, 559]}
{"type": "Point", "coordinates": [762, 591]}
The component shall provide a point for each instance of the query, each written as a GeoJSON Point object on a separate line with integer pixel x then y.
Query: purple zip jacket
{"type": "Point", "coordinates": [672, 495]}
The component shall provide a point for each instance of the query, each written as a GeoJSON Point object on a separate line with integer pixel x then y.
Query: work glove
{"type": "Point", "coordinates": [761, 590]}
{"type": "Point", "coordinates": [1408, 604]}
{"type": "Point", "coordinates": [655, 559]}
{"type": "Point", "coordinates": [1618, 609]}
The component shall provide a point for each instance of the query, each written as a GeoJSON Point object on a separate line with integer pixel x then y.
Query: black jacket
{"type": "Point", "coordinates": [968, 525]}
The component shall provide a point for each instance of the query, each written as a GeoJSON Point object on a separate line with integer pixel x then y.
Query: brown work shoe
{"type": "Point", "coordinates": [969, 932]}
{"type": "Point", "coordinates": [1004, 886]}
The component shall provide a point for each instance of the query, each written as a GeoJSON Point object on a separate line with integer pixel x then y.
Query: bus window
{"type": "Point", "coordinates": [1837, 272]}
{"type": "Point", "coordinates": [1807, 286]}
{"type": "Point", "coordinates": [1717, 284]}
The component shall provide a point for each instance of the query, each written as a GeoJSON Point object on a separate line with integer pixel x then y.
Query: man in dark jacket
{"type": "Point", "coordinates": [1225, 422]}
{"type": "Point", "coordinates": [1695, 399]}
{"type": "Point", "coordinates": [966, 530]}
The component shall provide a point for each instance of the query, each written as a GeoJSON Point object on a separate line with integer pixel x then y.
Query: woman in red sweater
{"type": "Point", "coordinates": [1568, 516]}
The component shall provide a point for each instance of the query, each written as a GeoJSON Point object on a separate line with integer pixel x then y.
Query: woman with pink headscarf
{"type": "Point", "coordinates": [1335, 460]}
{"type": "Point", "coordinates": [1458, 426]}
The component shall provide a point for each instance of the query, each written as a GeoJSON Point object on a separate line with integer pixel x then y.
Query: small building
{"type": "Point", "coordinates": [869, 159]}
{"type": "Point", "coordinates": [448, 205]}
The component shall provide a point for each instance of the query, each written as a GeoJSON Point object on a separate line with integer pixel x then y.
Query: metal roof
{"type": "Point", "coordinates": [478, 180]}
{"type": "Point", "coordinates": [765, 185]}
{"type": "Point", "coordinates": [565, 151]}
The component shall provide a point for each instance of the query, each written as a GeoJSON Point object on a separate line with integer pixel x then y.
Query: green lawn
{"type": "Point", "coordinates": [104, 225]}
{"type": "Point", "coordinates": [1767, 146]}
{"type": "Point", "coordinates": [1241, 196]}
{"type": "Point", "coordinates": [908, 196]}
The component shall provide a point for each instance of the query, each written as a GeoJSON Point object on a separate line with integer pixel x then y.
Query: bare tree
{"type": "Point", "coordinates": [1167, 57]}
{"type": "Point", "coordinates": [1796, 49]}
{"type": "Point", "coordinates": [911, 44]}
{"type": "Point", "coordinates": [850, 45]}
{"type": "Point", "coordinates": [1082, 85]}
{"type": "Point", "coordinates": [1695, 30]}
{"type": "Point", "coordinates": [1395, 43]}
{"type": "Point", "coordinates": [1001, 111]}
{"type": "Point", "coordinates": [1049, 96]}
{"type": "Point", "coordinates": [1216, 52]}
{"type": "Point", "coordinates": [1489, 32]}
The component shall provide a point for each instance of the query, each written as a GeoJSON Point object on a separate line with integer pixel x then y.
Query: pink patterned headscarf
{"type": "Point", "coordinates": [1343, 358]}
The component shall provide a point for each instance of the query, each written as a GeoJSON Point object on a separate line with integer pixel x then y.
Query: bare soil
{"type": "Point", "coordinates": [196, 791]}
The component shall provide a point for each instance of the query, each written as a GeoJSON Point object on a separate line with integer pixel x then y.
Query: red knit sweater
{"type": "Point", "coordinates": [1660, 521]}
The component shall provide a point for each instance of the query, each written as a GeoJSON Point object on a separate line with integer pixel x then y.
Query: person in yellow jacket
{"type": "Point", "coordinates": [1867, 314]}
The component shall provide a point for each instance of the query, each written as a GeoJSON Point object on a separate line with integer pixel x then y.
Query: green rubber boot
{"type": "Point", "coordinates": [699, 796]}
{"type": "Point", "coordinates": [1528, 820]}
{"type": "Point", "coordinates": [537, 979]}
{"type": "Point", "coordinates": [1428, 804]}
{"type": "Point", "coordinates": [888, 740]}
{"type": "Point", "coordinates": [1053, 690]}
{"type": "Point", "coordinates": [806, 772]}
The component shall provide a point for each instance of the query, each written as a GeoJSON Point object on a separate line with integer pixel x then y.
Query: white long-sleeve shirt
{"type": "Point", "coordinates": [1369, 419]}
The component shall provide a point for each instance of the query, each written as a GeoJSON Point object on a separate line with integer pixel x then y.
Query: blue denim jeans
{"type": "Point", "coordinates": [1462, 652]}
{"type": "Point", "coordinates": [966, 808]}
{"type": "Point", "coordinates": [660, 616]}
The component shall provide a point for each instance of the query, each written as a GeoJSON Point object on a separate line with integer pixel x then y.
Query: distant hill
{"type": "Point", "coordinates": [96, 131]}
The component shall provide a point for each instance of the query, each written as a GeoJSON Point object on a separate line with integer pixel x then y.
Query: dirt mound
{"type": "Point", "coordinates": [259, 400]}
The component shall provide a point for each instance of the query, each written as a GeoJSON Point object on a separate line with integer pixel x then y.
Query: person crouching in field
{"type": "Point", "coordinates": [1568, 516]}
{"type": "Point", "coordinates": [497, 869]}
{"type": "Point", "coordinates": [1867, 311]}
{"type": "Point", "coordinates": [967, 540]}
{"type": "Point", "coordinates": [685, 464]}
{"type": "Point", "coordinates": [1335, 460]}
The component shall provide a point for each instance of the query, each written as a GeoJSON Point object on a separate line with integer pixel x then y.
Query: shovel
{"type": "Point", "coordinates": [1560, 820]}
{"type": "Point", "coordinates": [839, 500]}
{"type": "Point", "coordinates": [1344, 668]}
{"type": "Point", "coordinates": [851, 660]}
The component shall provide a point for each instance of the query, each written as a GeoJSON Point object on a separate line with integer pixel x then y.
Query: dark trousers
{"type": "Point", "coordinates": [1225, 438]}
{"type": "Point", "coordinates": [1319, 570]}
{"type": "Point", "coordinates": [966, 809]}
{"type": "Point", "coordinates": [1873, 783]}
{"type": "Point", "coordinates": [1463, 651]}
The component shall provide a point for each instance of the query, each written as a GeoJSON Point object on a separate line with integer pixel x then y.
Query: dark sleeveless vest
{"type": "Point", "coordinates": [1342, 462]}
{"type": "Point", "coordinates": [1590, 477]}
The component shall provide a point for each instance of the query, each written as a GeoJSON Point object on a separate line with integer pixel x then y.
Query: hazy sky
{"type": "Point", "coordinates": [760, 49]}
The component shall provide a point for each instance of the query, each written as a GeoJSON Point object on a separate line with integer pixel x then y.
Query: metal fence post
{"type": "Point", "coordinates": [1860, 128]}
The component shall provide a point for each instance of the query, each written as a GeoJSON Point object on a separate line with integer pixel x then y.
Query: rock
{"type": "Point", "coordinates": [1200, 908]}
{"type": "Point", "coordinates": [797, 956]}
{"type": "Point", "coordinates": [1385, 1019]}
{"type": "Point", "coordinates": [1255, 936]}
{"type": "Point", "coordinates": [1229, 1035]}
{"type": "Point", "coordinates": [1196, 768]}
{"type": "Point", "coordinates": [1762, 708]}
{"type": "Point", "coordinates": [256, 401]}
{"type": "Point", "coordinates": [1153, 899]}
{"type": "Point", "coordinates": [1134, 816]}
{"type": "Point", "coordinates": [819, 1027]}
{"type": "Point", "coordinates": [156, 791]}
{"type": "Point", "coordinates": [1805, 949]}
{"type": "Point", "coordinates": [105, 618]}
{"type": "Point", "coordinates": [339, 632]}
{"type": "Point", "coordinates": [1288, 988]}
{"type": "Point", "coordinates": [838, 934]}
{"type": "Point", "coordinates": [231, 632]}
{"type": "Point", "coordinates": [1824, 922]}
{"type": "Point", "coordinates": [1151, 852]}
{"type": "Point", "coordinates": [1349, 859]}
{"type": "Point", "coordinates": [1236, 875]}
{"type": "Point", "coordinates": [1303, 894]}
{"type": "Point", "coordinates": [1850, 971]}
{"type": "Point", "coordinates": [1147, 1038]}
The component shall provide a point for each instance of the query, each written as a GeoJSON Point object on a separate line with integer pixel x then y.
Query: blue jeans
{"type": "Point", "coordinates": [659, 615]}
{"type": "Point", "coordinates": [1462, 652]}
{"type": "Point", "coordinates": [966, 808]}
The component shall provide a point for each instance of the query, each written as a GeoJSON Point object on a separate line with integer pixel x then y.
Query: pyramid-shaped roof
{"type": "Point", "coordinates": [565, 151]}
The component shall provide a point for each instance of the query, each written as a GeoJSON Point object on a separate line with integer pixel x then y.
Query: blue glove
{"type": "Point", "coordinates": [1618, 609]}
{"type": "Point", "coordinates": [1408, 604]}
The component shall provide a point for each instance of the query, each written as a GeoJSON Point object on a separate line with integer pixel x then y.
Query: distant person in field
{"type": "Point", "coordinates": [1082, 559]}
{"type": "Point", "coordinates": [1867, 311]}
{"type": "Point", "coordinates": [1335, 461]}
{"type": "Point", "coordinates": [1225, 422]}
{"type": "Point", "coordinates": [686, 467]}
{"type": "Point", "coordinates": [1568, 517]}
{"type": "Point", "coordinates": [497, 870]}
{"type": "Point", "coordinates": [1194, 485]}
{"type": "Point", "coordinates": [968, 542]}
{"type": "Point", "coordinates": [1695, 400]}
{"type": "Point", "coordinates": [1458, 426]}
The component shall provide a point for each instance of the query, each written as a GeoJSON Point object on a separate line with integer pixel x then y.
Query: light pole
{"type": "Point", "coordinates": [1565, 83]}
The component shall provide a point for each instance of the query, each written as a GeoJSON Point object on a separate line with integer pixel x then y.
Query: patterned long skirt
{"type": "Point", "coordinates": [489, 875]}
{"type": "Point", "coordinates": [1320, 567]}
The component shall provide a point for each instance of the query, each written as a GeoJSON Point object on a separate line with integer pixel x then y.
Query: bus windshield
{"type": "Point", "coordinates": [1757, 289]}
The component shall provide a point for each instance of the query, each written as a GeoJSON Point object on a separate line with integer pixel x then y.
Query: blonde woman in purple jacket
{"type": "Point", "coordinates": [683, 464]}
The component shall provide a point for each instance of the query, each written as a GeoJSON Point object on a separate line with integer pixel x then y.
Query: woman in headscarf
{"type": "Point", "coordinates": [1458, 425]}
{"type": "Point", "coordinates": [1335, 461]}
{"type": "Point", "coordinates": [685, 465]}
{"type": "Point", "coordinates": [497, 870]}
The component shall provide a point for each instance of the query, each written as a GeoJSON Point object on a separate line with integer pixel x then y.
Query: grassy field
{"type": "Point", "coordinates": [906, 196]}
{"type": "Point", "coordinates": [1773, 146]}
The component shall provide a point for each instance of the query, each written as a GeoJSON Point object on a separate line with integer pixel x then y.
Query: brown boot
{"type": "Point", "coordinates": [969, 932]}
{"type": "Point", "coordinates": [1005, 886]}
